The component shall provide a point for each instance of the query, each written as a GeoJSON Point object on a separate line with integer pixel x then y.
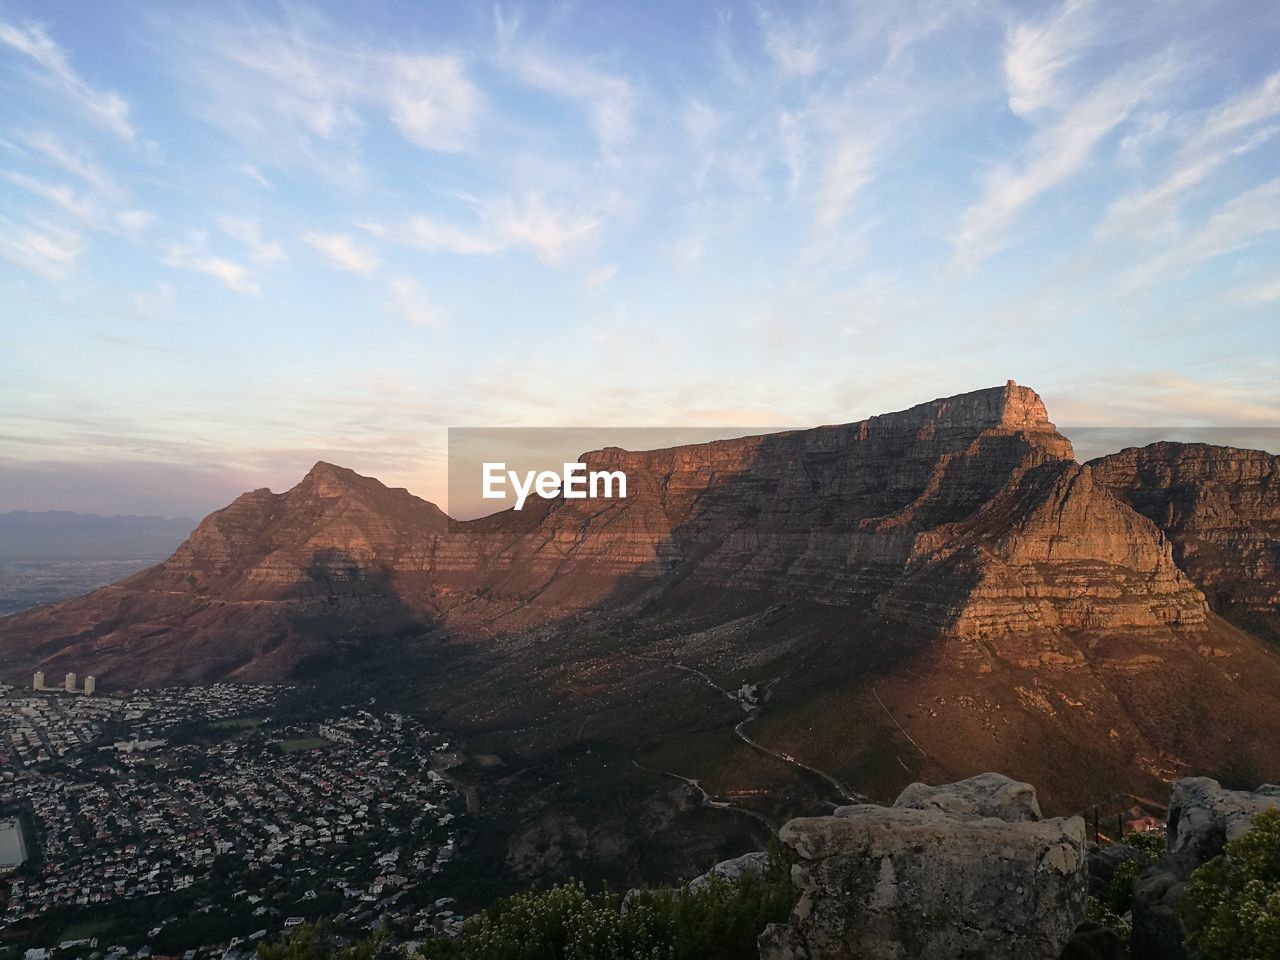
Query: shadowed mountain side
{"type": "Point", "coordinates": [1221, 508]}
{"type": "Point", "coordinates": [860, 575]}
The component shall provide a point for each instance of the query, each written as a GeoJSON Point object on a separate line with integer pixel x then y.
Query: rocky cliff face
{"type": "Point", "coordinates": [1220, 507]}
{"type": "Point", "coordinates": [966, 514]}
{"type": "Point", "coordinates": [969, 869]}
{"type": "Point", "coordinates": [917, 594]}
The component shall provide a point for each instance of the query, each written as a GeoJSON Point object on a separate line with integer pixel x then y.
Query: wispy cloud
{"type": "Point", "coordinates": [343, 252]}
{"type": "Point", "coordinates": [1215, 137]}
{"type": "Point", "coordinates": [502, 223]}
{"type": "Point", "coordinates": [608, 97]}
{"type": "Point", "coordinates": [1265, 291]}
{"type": "Point", "coordinates": [248, 232]}
{"type": "Point", "coordinates": [195, 256]}
{"type": "Point", "coordinates": [298, 92]}
{"type": "Point", "coordinates": [1059, 148]}
{"type": "Point", "coordinates": [105, 107]}
{"type": "Point", "coordinates": [433, 102]}
{"type": "Point", "coordinates": [408, 300]}
{"type": "Point", "coordinates": [1038, 52]}
{"type": "Point", "coordinates": [1233, 226]}
{"type": "Point", "coordinates": [41, 247]}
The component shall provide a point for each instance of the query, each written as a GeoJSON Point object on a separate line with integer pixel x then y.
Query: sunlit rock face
{"type": "Point", "coordinates": [965, 515]}
{"type": "Point", "coordinates": [1220, 507]}
{"type": "Point", "coordinates": [968, 869]}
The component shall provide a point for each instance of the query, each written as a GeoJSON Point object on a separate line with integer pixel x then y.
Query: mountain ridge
{"type": "Point", "coordinates": [857, 572]}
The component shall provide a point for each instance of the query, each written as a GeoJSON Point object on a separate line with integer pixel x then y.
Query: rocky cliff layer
{"type": "Point", "coordinates": [1220, 507]}
{"type": "Point", "coordinates": [965, 516]}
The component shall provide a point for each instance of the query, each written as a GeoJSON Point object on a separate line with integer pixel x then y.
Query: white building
{"type": "Point", "coordinates": [90, 685]}
{"type": "Point", "coordinates": [70, 685]}
{"type": "Point", "coordinates": [38, 682]}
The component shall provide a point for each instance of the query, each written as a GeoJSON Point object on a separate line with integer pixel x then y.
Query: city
{"type": "Point", "coordinates": [188, 819]}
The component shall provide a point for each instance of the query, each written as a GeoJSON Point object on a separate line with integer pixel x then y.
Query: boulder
{"type": "Point", "coordinates": [1092, 941]}
{"type": "Point", "coordinates": [986, 795]}
{"type": "Point", "coordinates": [1103, 862]}
{"type": "Point", "coordinates": [957, 871]}
{"type": "Point", "coordinates": [735, 869]}
{"type": "Point", "coordinates": [1203, 817]}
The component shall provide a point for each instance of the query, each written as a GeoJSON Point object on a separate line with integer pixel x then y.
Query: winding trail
{"type": "Point", "coordinates": [753, 712]}
{"type": "Point", "coordinates": [707, 799]}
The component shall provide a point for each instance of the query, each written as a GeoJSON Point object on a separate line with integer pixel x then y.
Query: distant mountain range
{"type": "Point", "coordinates": [60, 534]}
{"type": "Point", "coordinates": [921, 595]}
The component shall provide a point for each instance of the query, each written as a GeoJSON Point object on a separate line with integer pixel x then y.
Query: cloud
{"type": "Point", "coordinates": [1233, 226]}
{"type": "Point", "coordinates": [797, 48]}
{"type": "Point", "coordinates": [503, 223]}
{"type": "Point", "coordinates": [1037, 52]}
{"type": "Point", "coordinates": [248, 232]}
{"type": "Point", "coordinates": [1267, 291]}
{"type": "Point", "coordinates": [71, 159]}
{"type": "Point", "coordinates": [195, 256]}
{"type": "Point", "coordinates": [1058, 149]}
{"type": "Point", "coordinates": [43, 248]}
{"type": "Point", "coordinates": [607, 97]}
{"type": "Point", "coordinates": [433, 102]}
{"type": "Point", "coordinates": [343, 252]}
{"type": "Point", "coordinates": [850, 168]}
{"type": "Point", "coordinates": [1219, 136]}
{"type": "Point", "coordinates": [409, 300]}
{"type": "Point", "coordinates": [301, 93]}
{"type": "Point", "coordinates": [105, 107]}
{"type": "Point", "coordinates": [257, 176]}
{"type": "Point", "coordinates": [59, 194]}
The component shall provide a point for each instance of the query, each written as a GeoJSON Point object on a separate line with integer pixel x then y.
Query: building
{"type": "Point", "coordinates": [70, 684]}
{"type": "Point", "coordinates": [13, 849]}
{"type": "Point", "coordinates": [38, 682]}
{"type": "Point", "coordinates": [90, 685]}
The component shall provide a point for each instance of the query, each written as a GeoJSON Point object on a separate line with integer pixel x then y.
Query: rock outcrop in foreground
{"type": "Point", "coordinates": [1203, 818]}
{"type": "Point", "coordinates": [970, 869]}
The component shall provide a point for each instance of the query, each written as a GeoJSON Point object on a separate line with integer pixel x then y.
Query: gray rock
{"type": "Point", "coordinates": [1094, 942]}
{"type": "Point", "coordinates": [959, 871]}
{"type": "Point", "coordinates": [738, 867]}
{"type": "Point", "coordinates": [986, 795]}
{"type": "Point", "coordinates": [1103, 862]}
{"type": "Point", "coordinates": [1203, 817]}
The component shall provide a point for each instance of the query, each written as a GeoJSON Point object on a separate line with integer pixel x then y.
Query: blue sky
{"type": "Point", "coordinates": [235, 239]}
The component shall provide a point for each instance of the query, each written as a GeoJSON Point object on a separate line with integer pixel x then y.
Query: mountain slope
{"type": "Point", "coordinates": [1221, 508]}
{"type": "Point", "coordinates": [918, 595]}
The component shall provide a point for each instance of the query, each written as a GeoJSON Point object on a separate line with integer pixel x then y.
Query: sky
{"type": "Point", "coordinates": [238, 238]}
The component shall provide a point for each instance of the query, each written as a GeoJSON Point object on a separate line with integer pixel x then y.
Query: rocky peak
{"type": "Point", "coordinates": [1220, 506]}
{"type": "Point", "coordinates": [329, 480]}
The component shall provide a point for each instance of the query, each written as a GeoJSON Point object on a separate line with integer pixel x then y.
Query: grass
{"type": "Point", "coordinates": [237, 723]}
{"type": "Point", "coordinates": [86, 930]}
{"type": "Point", "coordinates": [303, 743]}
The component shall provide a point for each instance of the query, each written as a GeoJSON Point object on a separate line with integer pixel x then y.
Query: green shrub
{"type": "Point", "coordinates": [1097, 911]}
{"type": "Point", "coordinates": [719, 921]}
{"type": "Point", "coordinates": [1231, 909]}
{"type": "Point", "coordinates": [1119, 897]}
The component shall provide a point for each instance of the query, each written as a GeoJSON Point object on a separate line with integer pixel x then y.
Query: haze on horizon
{"type": "Point", "coordinates": [235, 240]}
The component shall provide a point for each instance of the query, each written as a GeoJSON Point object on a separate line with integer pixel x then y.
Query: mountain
{"type": "Point", "coordinates": [920, 595]}
{"type": "Point", "coordinates": [61, 534]}
{"type": "Point", "coordinates": [1221, 509]}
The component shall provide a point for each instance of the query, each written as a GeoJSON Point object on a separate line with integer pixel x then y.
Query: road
{"type": "Point", "coordinates": [753, 711]}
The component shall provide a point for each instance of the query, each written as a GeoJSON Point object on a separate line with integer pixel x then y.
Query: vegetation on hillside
{"type": "Point", "coordinates": [1231, 910]}
{"type": "Point", "coordinates": [719, 921]}
{"type": "Point", "coordinates": [1110, 909]}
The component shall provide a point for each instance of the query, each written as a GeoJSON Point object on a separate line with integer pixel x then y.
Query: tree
{"type": "Point", "coordinates": [1231, 909]}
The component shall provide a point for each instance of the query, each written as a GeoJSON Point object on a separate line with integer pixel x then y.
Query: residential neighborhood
{"type": "Point", "coordinates": [212, 817]}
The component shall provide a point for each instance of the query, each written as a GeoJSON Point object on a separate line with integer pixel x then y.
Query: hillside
{"type": "Point", "coordinates": [920, 595]}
